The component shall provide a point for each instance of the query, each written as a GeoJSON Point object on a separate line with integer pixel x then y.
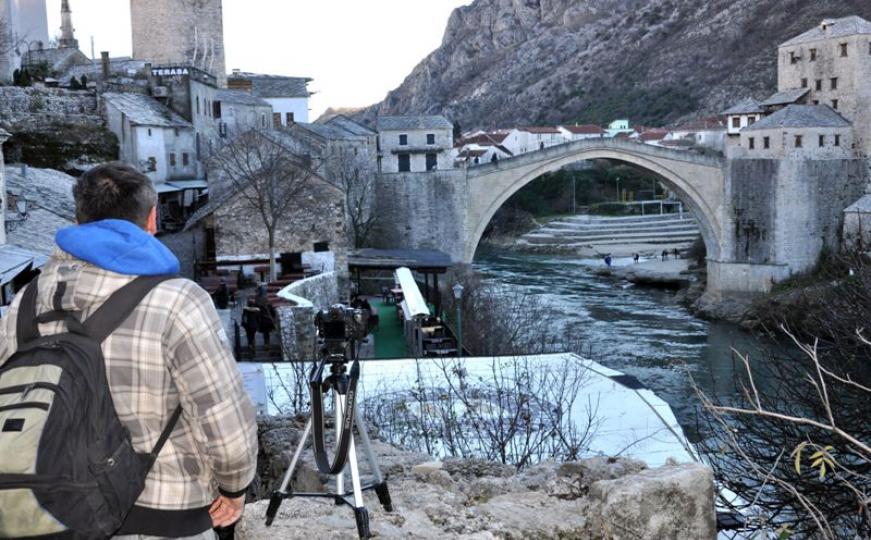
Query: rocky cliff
{"type": "Point", "coordinates": [515, 62]}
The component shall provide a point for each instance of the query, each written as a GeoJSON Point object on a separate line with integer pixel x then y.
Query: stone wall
{"type": "Point", "coordinates": [422, 211]}
{"type": "Point", "coordinates": [297, 321]}
{"type": "Point", "coordinates": [55, 129]}
{"type": "Point", "coordinates": [186, 245]}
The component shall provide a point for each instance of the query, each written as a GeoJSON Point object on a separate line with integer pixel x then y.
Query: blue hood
{"type": "Point", "coordinates": [118, 246]}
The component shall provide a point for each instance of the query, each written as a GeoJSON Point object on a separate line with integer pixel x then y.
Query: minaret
{"type": "Point", "coordinates": [67, 37]}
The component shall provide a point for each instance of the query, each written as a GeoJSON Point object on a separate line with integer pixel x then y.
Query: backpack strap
{"type": "Point", "coordinates": [164, 435]}
{"type": "Point", "coordinates": [119, 306]}
{"type": "Point", "coordinates": [27, 327]}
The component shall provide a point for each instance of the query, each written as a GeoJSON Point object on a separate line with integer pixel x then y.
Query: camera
{"type": "Point", "coordinates": [340, 325]}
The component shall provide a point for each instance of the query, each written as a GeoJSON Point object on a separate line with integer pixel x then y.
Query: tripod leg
{"type": "Point", "coordinates": [338, 407]}
{"type": "Point", "coordinates": [378, 479]}
{"type": "Point", "coordinates": [279, 495]}
{"type": "Point", "coordinates": [355, 476]}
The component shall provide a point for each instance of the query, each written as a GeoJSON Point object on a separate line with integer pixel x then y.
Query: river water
{"type": "Point", "coordinates": [640, 331]}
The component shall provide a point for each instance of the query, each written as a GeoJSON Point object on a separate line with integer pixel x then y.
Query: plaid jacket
{"type": "Point", "coordinates": [171, 349]}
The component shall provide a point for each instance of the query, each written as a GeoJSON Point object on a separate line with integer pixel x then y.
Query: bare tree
{"type": "Point", "coordinates": [268, 180]}
{"type": "Point", "coordinates": [352, 172]}
{"type": "Point", "coordinates": [796, 449]}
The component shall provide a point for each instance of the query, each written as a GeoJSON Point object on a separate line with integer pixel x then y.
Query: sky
{"type": "Point", "coordinates": [355, 50]}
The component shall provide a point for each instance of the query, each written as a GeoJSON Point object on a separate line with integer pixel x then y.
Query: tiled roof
{"type": "Point", "coordinates": [705, 124]}
{"type": "Point", "coordinates": [143, 110]}
{"type": "Point", "coordinates": [585, 129]}
{"type": "Point", "coordinates": [240, 97]}
{"type": "Point", "coordinates": [274, 86]}
{"type": "Point", "coordinates": [327, 131]}
{"type": "Point", "coordinates": [653, 135]}
{"type": "Point", "coordinates": [786, 97]}
{"type": "Point", "coordinates": [801, 116]}
{"type": "Point", "coordinates": [745, 106]}
{"type": "Point", "coordinates": [50, 205]}
{"type": "Point", "coordinates": [484, 139]}
{"type": "Point", "coordinates": [540, 130]}
{"type": "Point", "coordinates": [56, 58]}
{"type": "Point", "coordinates": [394, 123]}
{"type": "Point", "coordinates": [350, 126]}
{"type": "Point", "coordinates": [846, 26]}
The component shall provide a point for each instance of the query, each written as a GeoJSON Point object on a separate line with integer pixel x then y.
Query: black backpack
{"type": "Point", "coordinates": [67, 465]}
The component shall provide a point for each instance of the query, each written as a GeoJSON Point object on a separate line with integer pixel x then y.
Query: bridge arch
{"type": "Point", "coordinates": [697, 180]}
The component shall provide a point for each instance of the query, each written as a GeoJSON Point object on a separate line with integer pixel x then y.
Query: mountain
{"type": "Point", "coordinates": [522, 62]}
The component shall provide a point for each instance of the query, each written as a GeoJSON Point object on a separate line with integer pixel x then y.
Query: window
{"type": "Point", "coordinates": [288, 117]}
{"type": "Point", "coordinates": [813, 55]}
{"type": "Point", "coordinates": [216, 109]}
{"type": "Point", "coordinates": [869, 47]}
{"type": "Point", "coordinates": [835, 104]}
{"type": "Point", "coordinates": [798, 141]}
{"type": "Point", "coordinates": [175, 132]}
{"type": "Point", "coordinates": [404, 163]}
{"type": "Point", "coordinates": [432, 162]}
{"type": "Point", "coordinates": [819, 85]}
{"type": "Point", "coordinates": [766, 142]}
{"type": "Point", "coordinates": [816, 102]}
{"type": "Point", "coordinates": [751, 120]}
{"type": "Point", "coordinates": [149, 132]}
{"type": "Point", "coordinates": [736, 122]}
{"type": "Point", "coordinates": [751, 143]}
{"type": "Point", "coordinates": [198, 104]}
{"type": "Point", "coordinates": [793, 59]}
{"type": "Point", "coordinates": [837, 140]}
{"type": "Point", "coordinates": [403, 140]}
{"type": "Point", "coordinates": [843, 50]}
{"type": "Point", "coordinates": [152, 164]}
{"type": "Point", "coordinates": [185, 159]}
{"type": "Point", "coordinates": [430, 138]}
{"type": "Point", "coordinates": [822, 140]}
{"type": "Point", "coordinates": [834, 81]}
{"type": "Point", "coordinates": [276, 120]}
{"type": "Point", "coordinates": [172, 160]}
{"type": "Point", "coordinates": [804, 83]}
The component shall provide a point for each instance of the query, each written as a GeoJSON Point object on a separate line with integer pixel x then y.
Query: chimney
{"type": "Point", "coordinates": [104, 61]}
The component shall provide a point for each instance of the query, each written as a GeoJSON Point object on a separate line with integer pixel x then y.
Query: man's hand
{"type": "Point", "coordinates": [226, 511]}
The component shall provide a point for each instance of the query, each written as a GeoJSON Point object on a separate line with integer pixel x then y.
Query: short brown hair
{"type": "Point", "coordinates": [114, 191]}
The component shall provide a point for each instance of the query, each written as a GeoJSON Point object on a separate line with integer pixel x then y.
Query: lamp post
{"type": "Point", "coordinates": [619, 198]}
{"type": "Point", "coordinates": [458, 297]}
{"type": "Point", "coordinates": [21, 217]}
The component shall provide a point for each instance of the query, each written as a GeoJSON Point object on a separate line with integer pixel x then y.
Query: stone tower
{"type": "Point", "coordinates": [67, 32]}
{"type": "Point", "coordinates": [180, 32]}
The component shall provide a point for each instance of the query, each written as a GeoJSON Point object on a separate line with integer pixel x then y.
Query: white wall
{"type": "Point", "coordinates": [744, 120]}
{"type": "Point", "coordinates": [297, 106]}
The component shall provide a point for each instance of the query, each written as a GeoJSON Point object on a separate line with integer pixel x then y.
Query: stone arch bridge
{"type": "Point", "coordinates": [761, 219]}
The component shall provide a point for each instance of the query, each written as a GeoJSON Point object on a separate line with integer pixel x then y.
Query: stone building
{"type": "Point", "coordinates": [833, 62]}
{"type": "Point", "coordinates": [414, 143]}
{"type": "Point", "coordinates": [742, 114]}
{"type": "Point", "coordinates": [180, 33]}
{"type": "Point", "coordinates": [798, 132]}
{"type": "Point", "coordinates": [288, 96]}
{"type": "Point", "coordinates": [231, 229]}
{"type": "Point", "coordinates": [153, 138]}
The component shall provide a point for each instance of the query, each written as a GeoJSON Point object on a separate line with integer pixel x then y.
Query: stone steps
{"type": "Point", "coordinates": [591, 231]}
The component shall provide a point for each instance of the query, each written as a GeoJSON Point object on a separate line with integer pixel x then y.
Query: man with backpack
{"type": "Point", "coordinates": [118, 385]}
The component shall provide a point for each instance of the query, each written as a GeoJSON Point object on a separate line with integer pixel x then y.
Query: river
{"type": "Point", "coordinates": [637, 330]}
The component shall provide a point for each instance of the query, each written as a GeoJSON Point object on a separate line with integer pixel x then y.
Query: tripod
{"type": "Point", "coordinates": [343, 387]}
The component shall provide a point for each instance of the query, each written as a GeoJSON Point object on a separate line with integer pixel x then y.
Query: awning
{"type": "Point", "coordinates": [414, 305]}
{"type": "Point", "coordinates": [15, 260]}
{"type": "Point", "coordinates": [166, 188]}
{"type": "Point", "coordinates": [189, 184]}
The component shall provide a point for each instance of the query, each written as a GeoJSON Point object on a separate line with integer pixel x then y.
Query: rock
{"type": "Point", "coordinates": [508, 63]}
{"type": "Point", "coordinates": [671, 502]}
{"type": "Point", "coordinates": [474, 499]}
{"type": "Point", "coordinates": [427, 467]}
